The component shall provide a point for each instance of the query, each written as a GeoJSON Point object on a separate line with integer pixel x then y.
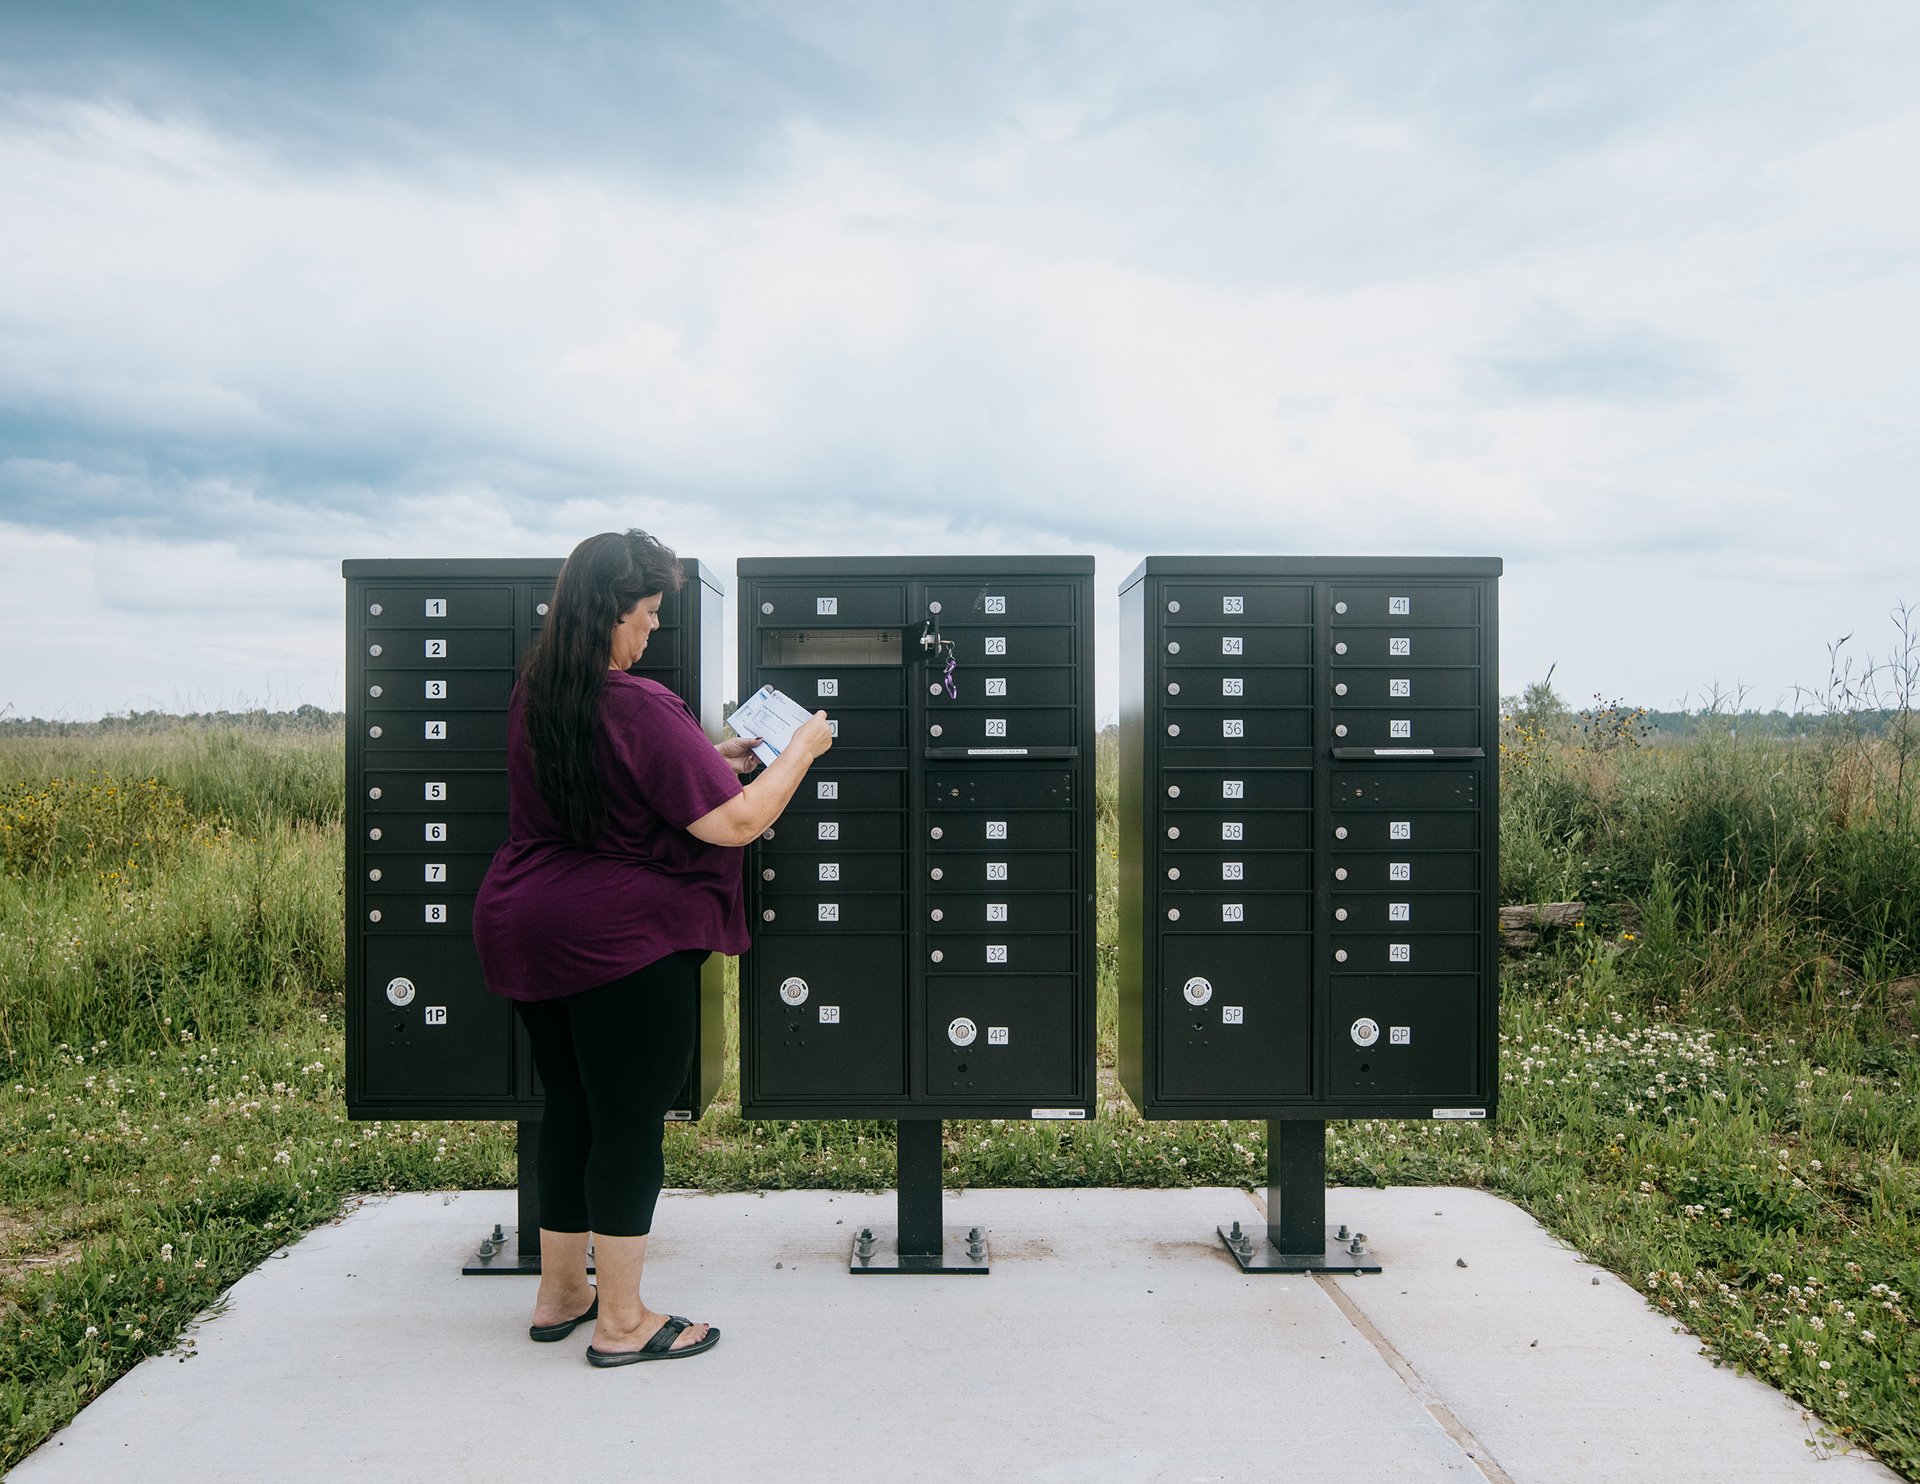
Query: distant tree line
{"type": "Point", "coordinates": [303, 720]}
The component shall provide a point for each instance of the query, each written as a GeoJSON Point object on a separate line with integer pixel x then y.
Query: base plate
{"type": "Point", "coordinates": [953, 1257]}
{"type": "Point", "coordinates": [499, 1252]}
{"type": "Point", "coordinates": [1256, 1254]}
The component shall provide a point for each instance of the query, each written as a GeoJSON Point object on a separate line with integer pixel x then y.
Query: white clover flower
{"type": "Point", "coordinates": [166, 1252]}
{"type": "Point", "coordinates": [92, 1330]}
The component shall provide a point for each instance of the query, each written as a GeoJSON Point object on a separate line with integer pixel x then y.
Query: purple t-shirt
{"type": "Point", "coordinates": [553, 918]}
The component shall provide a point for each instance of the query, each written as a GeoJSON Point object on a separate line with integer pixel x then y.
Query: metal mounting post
{"type": "Point", "coordinates": [918, 1244]}
{"type": "Point", "coordinates": [516, 1249]}
{"type": "Point", "coordinates": [1297, 1238]}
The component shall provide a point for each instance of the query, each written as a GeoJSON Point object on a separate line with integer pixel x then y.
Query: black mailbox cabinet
{"type": "Point", "coordinates": [923, 913]}
{"type": "Point", "coordinates": [433, 647]}
{"type": "Point", "coordinates": [1308, 837]}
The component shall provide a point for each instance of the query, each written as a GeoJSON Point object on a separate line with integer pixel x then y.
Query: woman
{"type": "Point", "coordinates": [621, 872]}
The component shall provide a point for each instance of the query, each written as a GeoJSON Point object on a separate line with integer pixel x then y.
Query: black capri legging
{"type": "Point", "coordinates": [611, 1059]}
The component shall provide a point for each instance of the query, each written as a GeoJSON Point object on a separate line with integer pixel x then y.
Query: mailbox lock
{"type": "Point", "coordinates": [933, 607]}
{"type": "Point", "coordinates": [374, 874]}
{"type": "Point", "coordinates": [374, 650]}
{"type": "Point", "coordinates": [936, 729]}
{"type": "Point", "coordinates": [1340, 649]}
{"type": "Point", "coordinates": [374, 609]}
{"type": "Point", "coordinates": [934, 689]}
{"type": "Point", "coordinates": [766, 834]}
{"type": "Point", "coordinates": [766, 607]}
{"type": "Point", "coordinates": [400, 991]}
{"type": "Point", "coordinates": [1339, 914]}
{"type": "Point", "coordinates": [938, 956]}
{"type": "Point", "coordinates": [1173, 729]}
{"type": "Point", "coordinates": [1339, 873]}
{"type": "Point", "coordinates": [767, 915]}
{"type": "Point", "coordinates": [541, 609]}
{"type": "Point", "coordinates": [374, 833]}
{"type": "Point", "coordinates": [1197, 990]}
{"type": "Point", "coordinates": [1173, 790]}
{"type": "Point", "coordinates": [1339, 955]}
{"type": "Point", "coordinates": [1339, 607]}
{"type": "Point", "coordinates": [1340, 731]}
{"type": "Point", "coordinates": [794, 991]}
{"type": "Point", "coordinates": [1364, 1031]}
{"type": "Point", "coordinates": [373, 731]}
{"type": "Point", "coordinates": [962, 1031]}
{"type": "Point", "coordinates": [1173, 687]}
{"type": "Point", "coordinates": [373, 793]}
{"type": "Point", "coordinates": [1173, 914]}
{"type": "Point", "coordinates": [767, 875]}
{"type": "Point", "coordinates": [1340, 832]}
{"type": "Point", "coordinates": [1173, 832]}
{"type": "Point", "coordinates": [374, 691]}
{"type": "Point", "coordinates": [937, 873]}
{"type": "Point", "coordinates": [1173, 873]}
{"type": "Point", "coordinates": [374, 915]}
{"type": "Point", "coordinates": [1173, 606]}
{"type": "Point", "coordinates": [1174, 647]}
{"type": "Point", "coordinates": [938, 915]}
{"type": "Point", "coordinates": [937, 832]}
{"type": "Point", "coordinates": [1340, 689]}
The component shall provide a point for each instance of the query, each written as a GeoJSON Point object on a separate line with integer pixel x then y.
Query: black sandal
{"type": "Point", "coordinates": [659, 1347]}
{"type": "Point", "coordinates": [549, 1332]}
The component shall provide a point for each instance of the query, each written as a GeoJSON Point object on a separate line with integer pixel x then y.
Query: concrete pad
{"type": "Point", "coordinates": [1558, 1377]}
{"type": "Point", "coordinates": [1113, 1341]}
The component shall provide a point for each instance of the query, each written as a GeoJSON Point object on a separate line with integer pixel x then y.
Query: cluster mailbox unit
{"type": "Point", "coordinates": [923, 912]}
{"type": "Point", "coordinates": [1308, 857]}
{"type": "Point", "coordinates": [433, 647]}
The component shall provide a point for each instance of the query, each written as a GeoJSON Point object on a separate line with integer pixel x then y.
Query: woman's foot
{"type": "Point", "coordinates": [568, 1305]}
{"type": "Point", "coordinates": [607, 1340]}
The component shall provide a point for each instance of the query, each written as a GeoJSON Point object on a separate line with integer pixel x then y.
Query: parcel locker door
{"type": "Point", "coordinates": [1405, 1037]}
{"type": "Point", "coordinates": [829, 1018]}
{"type": "Point", "coordinates": [992, 1039]}
{"type": "Point", "coordinates": [1236, 1017]}
{"type": "Point", "coordinates": [429, 1028]}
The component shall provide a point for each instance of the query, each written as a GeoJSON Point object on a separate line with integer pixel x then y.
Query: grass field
{"type": "Point", "coordinates": [1708, 1082]}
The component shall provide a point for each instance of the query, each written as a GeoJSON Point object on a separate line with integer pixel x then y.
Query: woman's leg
{"type": "Point", "coordinates": [566, 1137]}
{"type": "Point", "coordinates": [633, 1043]}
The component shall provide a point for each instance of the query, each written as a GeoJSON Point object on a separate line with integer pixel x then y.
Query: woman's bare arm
{"type": "Point", "coordinates": [746, 815]}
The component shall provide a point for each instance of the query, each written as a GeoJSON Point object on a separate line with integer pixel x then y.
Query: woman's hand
{"type": "Point", "coordinates": [738, 751]}
{"type": "Point", "coordinates": [813, 736]}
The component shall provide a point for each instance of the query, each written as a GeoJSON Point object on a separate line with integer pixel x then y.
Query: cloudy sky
{"type": "Point", "coordinates": [1627, 294]}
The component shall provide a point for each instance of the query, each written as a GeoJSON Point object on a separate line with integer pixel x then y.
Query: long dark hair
{"type": "Point", "coordinates": [567, 669]}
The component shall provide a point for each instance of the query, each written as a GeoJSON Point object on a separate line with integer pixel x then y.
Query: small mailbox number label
{"type": "Point", "coordinates": [436, 608]}
{"type": "Point", "coordinates": [1398, 689]}
{"type": "Point", "coordinates": [1399, 646]}
{"type": "Point", "coordinates": [1233, 686]}
{"type": "Point", "coordinates": [1399, 953]}
{"type": "Point", "coordinates": [826, 607]}
{"type": "Point", "coordinates": [829, 911]}
{"type": "Point", "coordinates": [1399, 870]}
{"type": "Point", "coordinates": [1233, 870]}
{"type": "Point", "coordinates": [1399, 829]}
{"type": "Point", "coordinates": [996, 1035]}
{"type": "Point", "coordinates": [995, 605]}
{"type": "Point", "coordinates": [1233, 788]}
{"type": "Point", "coordinates": [1399, 728]}
{"type": "Point", "coordinates": [996, 953]}
{"type": "Point", "coordinates": [435, 871]}
{"type": "Point", "coordinates": [996, 645]}
{"type": "Point", "coordinates": [996, 686]}
{"type": "Point", "coordinates": [829, 870]}
{"type": "Point", "coordinates": [435, 649]}
{"type": "Point", "coordinates": [435, 1014]}
{"type": "Point", "coordinates": [996, 726]}
{"type": "Point", "coordinates": [435, 831]}
{"type": "Point", "coordinates": [1399, 911]}
{"type": "Point", "coordinates": [996, 870]}
{"type": "Point", "coordinates": [1233, 1015]}
{"type": "Point", "coordinates": [829, 1014]}
{"type": "Point", "coordinates": [996, 829]}
{"type": "Point", "coordinates": [436, 690]}
{"type": "Point", "coordinates": [827, 688]}
{"type": "Point", "coordinates": [828, 829]}
{"type": "Point", "coordinates": [1232, 645]}
{"type": "Point", "coordinates": [1233, 605]}
{"type": "Point", "coordinates": [1233, 830]}
{"type": "Point", "coordinates": [826, 790]}
{"type": "Point", "coordinates": [1399, 605]}
{"type": "Point", "coordinates": [1233, 728]}
{"type": "Point", "coordinates": [436, 912]}
{"type": "Point", "coordinates": [1233, 912]}
{"type": "Point", "coordinates": [434, 792]}
{"type": "Point", "coordinates": [436, 731]}
{"type": "Point", "coordinates": [996, 911]}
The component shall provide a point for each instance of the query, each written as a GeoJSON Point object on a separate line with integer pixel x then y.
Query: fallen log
{"type": "Point", "coordinates": [1522, 925]}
